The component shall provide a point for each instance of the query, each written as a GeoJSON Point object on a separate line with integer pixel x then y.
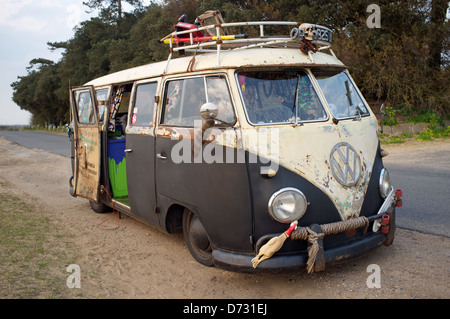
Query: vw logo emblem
{"type": "Point", "coordinates": [345, 164]}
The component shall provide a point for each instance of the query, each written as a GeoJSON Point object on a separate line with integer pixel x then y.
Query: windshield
{"type": "Point", "coordinates": [280, 97]}
{"type": "Point", "coordinates": [341, 94]}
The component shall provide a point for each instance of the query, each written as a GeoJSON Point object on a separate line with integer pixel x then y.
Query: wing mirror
{"type": "Point", "coordinates": [209, 111]}
{"type": "Point", "coordinates": [383, 116]}
{"type": "Point", "coordinates": [382, 109]}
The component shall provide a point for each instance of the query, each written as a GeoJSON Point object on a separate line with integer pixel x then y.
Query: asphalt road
{"type": "Point", "coordinates": [53, 143]}
{"type": "Point", "coordinates": [426, 199]}
{"type": "Point", "coordinates": [424, 177]}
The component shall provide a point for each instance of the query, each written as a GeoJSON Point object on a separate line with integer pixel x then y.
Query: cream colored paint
{"type": "Point", "coordinates": [259, 57]}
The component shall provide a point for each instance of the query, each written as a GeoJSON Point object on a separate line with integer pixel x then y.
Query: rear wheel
{"type": "Point", "coordinates": [99, 207]}
{"type": "Point", "coordinates": [196, 238]}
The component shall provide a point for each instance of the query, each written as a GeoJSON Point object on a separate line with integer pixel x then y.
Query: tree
{"type": "Point", "coordinates": [112, 10]}
{"type": "Point", "coordinates": [35, 92]}
{"type": "Point", "coordinates": [438, 32]}
{"type": "Point", "coordinates": [156, 23]}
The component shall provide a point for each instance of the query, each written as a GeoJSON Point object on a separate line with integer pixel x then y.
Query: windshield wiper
{"type": "Point", "coordinates": [296, 101]}
{"type": "Point", "coordinates": [357, 115]}
{"type": "Point", "coordinates": [349, 96]}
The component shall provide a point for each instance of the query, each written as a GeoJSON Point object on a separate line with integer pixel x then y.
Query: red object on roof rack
{"type": "Point", "coordinates": [183, 26]}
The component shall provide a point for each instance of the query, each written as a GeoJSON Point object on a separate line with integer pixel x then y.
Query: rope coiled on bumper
{"type": "Point", "coordinates": [305, 233]}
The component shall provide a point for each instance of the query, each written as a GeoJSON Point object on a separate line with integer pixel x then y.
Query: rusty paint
{"type": "Point", "coordinates": [327, 181]}
{"type": "Point", "coordinates": [343, 257]}
{"type": "Point", "coordinates": [209, 135]}
{"type": "Point", "coordinates": [162, 131]}
{"type": "Point", "coordinates": [351, 233]}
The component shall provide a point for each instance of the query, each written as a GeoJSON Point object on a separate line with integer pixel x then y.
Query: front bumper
{"type": "Point", "coordinates": [290, 262]}
{"type": "Point", "coordinates": [349, 249]}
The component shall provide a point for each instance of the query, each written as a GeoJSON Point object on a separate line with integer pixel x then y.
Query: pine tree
{"type": "Point", "coordinates": [112, 10]}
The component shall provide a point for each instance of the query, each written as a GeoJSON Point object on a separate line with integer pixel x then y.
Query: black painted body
{"type": "Point", "coordinates": [230, 198]}
{"type": "Point", "coordinates": [218, 192]}
{"type": "Point", "coordinates": [141, 176]}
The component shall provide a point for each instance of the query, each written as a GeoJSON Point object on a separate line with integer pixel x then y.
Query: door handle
{"type": "Point", "coordinates": [160, 156]}
{"type": "Point", "coordinates": [85, 155]}
{"type": "Point", "coordinates": [128, 150]}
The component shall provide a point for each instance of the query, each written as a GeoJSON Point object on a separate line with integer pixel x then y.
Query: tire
{"type": "Point", "coordinates": [71, 187]}
{"type": "Point", "coordinates": [196, 239]}
{"type": "Point", "coordinates": [99, 207]}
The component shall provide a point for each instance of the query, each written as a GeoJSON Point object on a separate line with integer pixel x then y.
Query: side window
{"type": "Point", "coordinates": [85, 107]}
{"type": "Point", "coordinates": [102, 96]}
{"type": "Point", "coordinates": [183, 101]}
{"type": "Point", "coordinates": [219, 94]}
{"type": "Point", "coordinates": [144, 105]}
{"type": "Point", "coordinates": [184, 98]}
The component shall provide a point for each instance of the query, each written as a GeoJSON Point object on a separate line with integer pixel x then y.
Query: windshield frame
{"type": "Point", "coordinates": [309, 75]}
{"type": "Point", "coordinates": [357, 91]}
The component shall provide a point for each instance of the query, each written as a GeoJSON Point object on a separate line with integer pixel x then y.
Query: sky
{"type": "Point", "coordinates": [25, 28]}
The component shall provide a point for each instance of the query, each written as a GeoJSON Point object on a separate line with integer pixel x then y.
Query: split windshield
{"type": "Point", "coordinates": [280, 97]}
{"type": "Point", "coordinates": [290, 97]}
{"type": "Point", "coordinates": [341, 94]}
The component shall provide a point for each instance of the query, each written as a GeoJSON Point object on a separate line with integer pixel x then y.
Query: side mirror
{"type": "Point", "coordinates": [209, 111]}
{"type": "Point", "coordinates": [382, 110]}
{"type": "Point", "coordinates": [383, 116]}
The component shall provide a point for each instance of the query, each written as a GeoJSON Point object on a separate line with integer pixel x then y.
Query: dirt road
{"type": "Point", "coordinates": [139, 261]}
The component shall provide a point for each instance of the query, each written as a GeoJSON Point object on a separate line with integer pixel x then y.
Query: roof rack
{"type": "Point", "coordinates": [199, 37]}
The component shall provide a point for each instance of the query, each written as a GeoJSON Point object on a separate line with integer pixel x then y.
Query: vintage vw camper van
{"type": "Point", "coordinates": [260, 149]}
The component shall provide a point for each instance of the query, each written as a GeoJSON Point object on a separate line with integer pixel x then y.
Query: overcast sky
{"type": "Point", "coordinates": [25, 28]}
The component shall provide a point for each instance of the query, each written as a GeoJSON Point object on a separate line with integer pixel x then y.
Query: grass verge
{"type": "Point", "coordinates": [429, 134]}
{"type": "Point", "coordinates": [33, 255]}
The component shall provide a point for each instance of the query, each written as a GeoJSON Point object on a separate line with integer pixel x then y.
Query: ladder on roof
{"type": "Point", "coordinates": [310, 38]}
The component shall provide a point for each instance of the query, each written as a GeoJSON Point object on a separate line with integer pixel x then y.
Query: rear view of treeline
{"type": "Point", "coordinates": [401, 59]}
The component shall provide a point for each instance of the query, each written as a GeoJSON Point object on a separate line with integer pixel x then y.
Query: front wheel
{"type": "Point", "coordinates": [196, 239]}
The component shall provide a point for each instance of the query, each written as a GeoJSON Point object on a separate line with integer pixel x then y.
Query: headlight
{"type": "Point", "coordinates": [385, 183]}
{"type": "Point", "coordinates": [287, 205]}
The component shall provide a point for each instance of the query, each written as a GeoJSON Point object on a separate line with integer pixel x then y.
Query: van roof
{"type": "Point", "coordinates": [234, 59]}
